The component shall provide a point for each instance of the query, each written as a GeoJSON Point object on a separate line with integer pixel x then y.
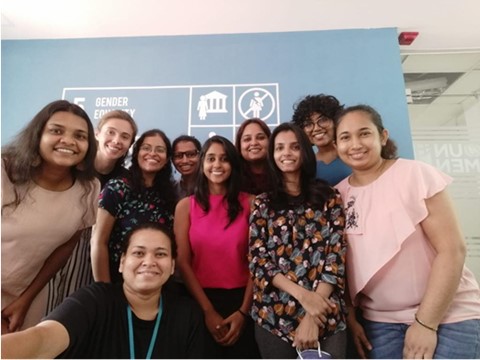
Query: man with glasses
{"type": "Point", "coordinates": [315, 114]}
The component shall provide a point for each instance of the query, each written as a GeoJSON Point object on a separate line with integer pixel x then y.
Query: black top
{"type": "Point", "coordinates": [118, 171]}
{"type": "Point", "coordinates": [96, 320]}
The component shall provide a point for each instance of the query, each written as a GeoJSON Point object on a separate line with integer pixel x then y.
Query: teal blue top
{"type": "Point", "coordinates": [334, 172]}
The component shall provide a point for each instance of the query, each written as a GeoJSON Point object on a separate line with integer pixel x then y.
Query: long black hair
{"type": "Point", "coordinates": [314, 192]}
{"type": "Point", "coordinates": [201, 191]}
{"type": "Point", "coordinates": [22, 155]}
{"type": "Point", "coordinates": [253, 183]}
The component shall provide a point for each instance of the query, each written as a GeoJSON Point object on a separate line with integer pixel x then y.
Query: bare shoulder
{"type": "Point", "coordinates": [183, 206]}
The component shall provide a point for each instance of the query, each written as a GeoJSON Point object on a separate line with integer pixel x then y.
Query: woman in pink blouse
{"type": "Point", "coordinates": [406, 254]}
{"type": "Point", "coordinates": [211, 229]}
{"type": "Point", "coordinates": [297, 254]}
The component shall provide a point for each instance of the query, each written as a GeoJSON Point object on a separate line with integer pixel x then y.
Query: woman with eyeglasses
{"type": "Point", "coordinates": [315, 114]}
{"type": "Point", "coordinates": [146, 194]}
{"type": "Point", "coordinates": [186, 150]}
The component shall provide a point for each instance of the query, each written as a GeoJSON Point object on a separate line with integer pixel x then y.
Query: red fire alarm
{"type": "Point", "coordinates": [407, 37]}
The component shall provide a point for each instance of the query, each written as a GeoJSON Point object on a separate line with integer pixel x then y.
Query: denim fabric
{"type": "Point", "coordinates": [459, 340]}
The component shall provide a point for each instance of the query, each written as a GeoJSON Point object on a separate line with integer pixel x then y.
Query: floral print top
{"type": "Point", "coordinates": [129, 209]}
{"type": "Point", "coordinates": [307, 246]}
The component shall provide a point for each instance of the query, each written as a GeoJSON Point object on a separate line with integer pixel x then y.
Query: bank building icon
{"type": "Point", "coordinates": [213, 102]}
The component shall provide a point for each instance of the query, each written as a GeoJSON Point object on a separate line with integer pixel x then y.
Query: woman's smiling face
{"type": "Point", "coordinates": [147, 263]}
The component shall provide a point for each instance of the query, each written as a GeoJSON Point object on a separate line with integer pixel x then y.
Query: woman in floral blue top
{"type": "Point", "coordinates": [146, 194]}
{"type": "Point", "coordinates": [297, 254]}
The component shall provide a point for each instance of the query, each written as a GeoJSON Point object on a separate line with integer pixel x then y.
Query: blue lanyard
{"type": "Point", "coordinates": [154, 334]}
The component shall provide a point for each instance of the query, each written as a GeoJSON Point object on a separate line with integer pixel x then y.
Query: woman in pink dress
{"type": "Point", "coordinates": [405, 265]}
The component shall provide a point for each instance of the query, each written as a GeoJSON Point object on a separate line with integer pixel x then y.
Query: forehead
{"type": "Point", "coordinates": [252, 128]}
{"type": "Point", "coordinates": [355, 120]}
{"type": "Point", "coordinates": [68, 120]}
{"type": "Point", "coordinates": [150, 238]}
{"type": "Point", "coordinates": [123, 125]}
{"type": "Point", "coordinates": [155, 140]}
{"type": "Point", "coordinates": [316, 115]}
{"type": "Point", "coordinates": [215, 148]}
{"type": "Point", "coordinates": [184, 145]}
{"type": "Point", "coordinates": [285, 137]}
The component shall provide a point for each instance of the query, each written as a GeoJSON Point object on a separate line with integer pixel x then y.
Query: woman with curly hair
{"type": "Point", "coordinates": [145, 194]}
{"type": "Point", "coordinates": [315, 114]}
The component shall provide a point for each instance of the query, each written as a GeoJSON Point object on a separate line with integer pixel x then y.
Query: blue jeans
{"type": "Point", "coordinates": [459, 340]}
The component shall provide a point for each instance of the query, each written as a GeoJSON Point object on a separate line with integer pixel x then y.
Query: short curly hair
{"type": "Point", "coordinates": [326, 105]}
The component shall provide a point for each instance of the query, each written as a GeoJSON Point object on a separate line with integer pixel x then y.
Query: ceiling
{"type": "Point", "coordinates": [449, 32]}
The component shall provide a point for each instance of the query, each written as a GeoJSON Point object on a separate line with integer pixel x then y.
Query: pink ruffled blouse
{"type": "Point", "coordinates": [390, 258]}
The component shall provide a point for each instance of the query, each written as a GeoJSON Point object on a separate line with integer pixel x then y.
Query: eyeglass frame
{"type": "Point", "coordinates": [190, 154]}
{"type": "Point", "coordinates": [148, 148]}
{"type": "Point", "coordinates": [310, 125]}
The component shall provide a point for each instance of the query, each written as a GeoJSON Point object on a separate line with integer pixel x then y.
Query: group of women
{"type": "Point", "coordinates": [261, 233]}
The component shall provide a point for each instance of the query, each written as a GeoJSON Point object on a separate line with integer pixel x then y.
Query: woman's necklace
{"type": "Point", "coordinates": [154, 334]}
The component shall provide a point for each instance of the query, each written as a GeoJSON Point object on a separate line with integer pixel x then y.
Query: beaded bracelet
{"type": "Point", "coordinates": [425, 325]}
{"type": "Point", "coordinates": [243, 313]}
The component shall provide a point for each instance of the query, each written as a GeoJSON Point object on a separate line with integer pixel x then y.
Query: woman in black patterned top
{"type": "Point", "coordinates": [297, 254]}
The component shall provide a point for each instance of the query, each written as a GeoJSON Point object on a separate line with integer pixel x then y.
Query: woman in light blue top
{"type": "Point", "coordinates": [315, 115]}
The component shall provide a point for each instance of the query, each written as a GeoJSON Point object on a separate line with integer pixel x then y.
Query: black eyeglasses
{"type": "Point", "coordinates": [320, 121]}
{"type": "Point", "coordinates": [189, 154]}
